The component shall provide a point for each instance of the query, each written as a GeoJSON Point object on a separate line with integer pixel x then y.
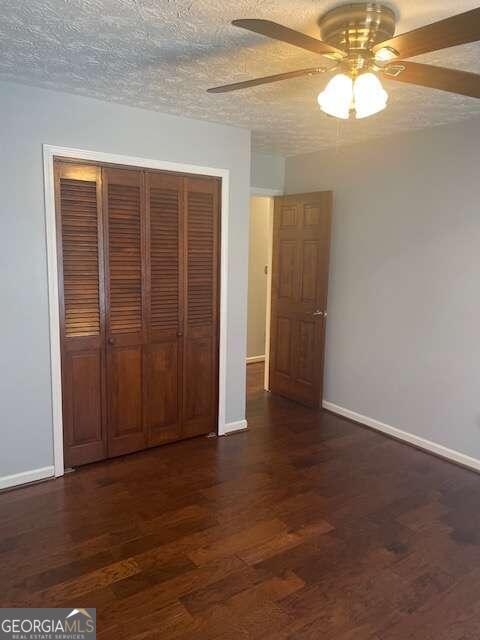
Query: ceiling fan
{"type": "Point", "coordinates": [359, 40]}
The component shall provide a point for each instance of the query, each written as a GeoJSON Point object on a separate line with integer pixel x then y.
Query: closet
{"type": "Point", "coordinates": [138, 262]}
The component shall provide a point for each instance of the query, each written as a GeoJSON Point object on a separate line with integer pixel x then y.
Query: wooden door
{"type": "Point", "coordinates": [301, 247]}
{"type": "Point", "coordinates": [165, 288]}
{"type": "Point", "coordinates": [82, 311]}
{"type": "Point", "coordinates": [126, 322]}
{"type": "Point", "coordinates": [200, 360]}
{"type": "Point", "coordinates": [138, 275]}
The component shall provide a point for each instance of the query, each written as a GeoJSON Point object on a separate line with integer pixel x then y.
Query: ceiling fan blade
{"type": "Point", "coordinates": [284, 34]}
{"type": "Point", "coordinates": [426, 75]}
{"type": "Point", "coordinates": [266, 80]}
{"type": "Point", "coordinates": [459, 29]}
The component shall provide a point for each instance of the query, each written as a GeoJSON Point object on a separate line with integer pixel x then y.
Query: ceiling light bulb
{"type": "Point", "coordinates": [369, 95]}
{"type": "Point", "coordinates": [385, 54]}
{"type": "Point", "coordinates": [336, 98]}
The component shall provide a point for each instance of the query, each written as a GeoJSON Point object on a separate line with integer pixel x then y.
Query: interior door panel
{"type": "Point", "coordinates": [301, 246]}
{"type": "Point", "coordinates": [165, 273]}
{"type": "Point", "coordinates": [78, 196]}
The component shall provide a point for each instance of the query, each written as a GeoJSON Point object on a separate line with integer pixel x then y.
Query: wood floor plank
{"type": "Point", "coordinates": [237, 542]}
{"type": "Point", "coordinates": [77, 587]}
{"type": "Point", "coordinates": [158, 596]}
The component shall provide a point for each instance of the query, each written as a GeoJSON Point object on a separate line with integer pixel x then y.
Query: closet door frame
{"type": "Point", "coordinates": [52, 153]}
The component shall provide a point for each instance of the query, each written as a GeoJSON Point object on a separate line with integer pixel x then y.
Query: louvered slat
{"type": "Point", "coordinates": [200, 263]}
{"type": "Point", "coordinates": [164, 221]}
{"type": "Point", "coordinates": [79, 224]}
{"type": "Point", "coordinates": [125, 260]}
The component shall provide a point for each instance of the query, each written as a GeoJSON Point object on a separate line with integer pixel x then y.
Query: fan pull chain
{"type": "Point", "coordinates": [338, 136]}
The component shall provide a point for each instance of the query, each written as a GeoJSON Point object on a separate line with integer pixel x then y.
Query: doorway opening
{"type": "Point", "coordinates": [259, 292]}
{"type": "Point", "coordinates": [287, 296]}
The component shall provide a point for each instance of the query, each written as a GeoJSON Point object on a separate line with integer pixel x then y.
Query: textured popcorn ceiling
{"type": "Point", "coordinates": [163, 54]}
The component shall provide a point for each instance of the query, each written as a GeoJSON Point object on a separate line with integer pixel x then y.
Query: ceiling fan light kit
{"type": "Point", "coordinates": [359, 38]}
{"type": "Point", "coordinates": [336, 99]}
{"type": "Point", "coordinates": [355, 29]}
{"type": "Point", "coordinates": [343, 96]}
{"type": "Point", "coordinates": [369, 95]}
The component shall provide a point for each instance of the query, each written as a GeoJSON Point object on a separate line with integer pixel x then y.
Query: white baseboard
{"type": "Point", "coordinates": [26, 476]}
{"type": "Point", "coordinates": [255, 359]}
{"type": "Point", "coordinates": [417, 441]}
{"type": "Point", "coordinates": [235, 427]}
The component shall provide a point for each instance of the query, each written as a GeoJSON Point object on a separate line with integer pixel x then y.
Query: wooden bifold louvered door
{"type": "Point", "coordinates": [138, 256]}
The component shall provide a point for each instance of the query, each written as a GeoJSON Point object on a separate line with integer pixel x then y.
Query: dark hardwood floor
{"type": "Point", "coordinates": [304, 527]}
{"type": "Point", "coordinates": [255, 381]}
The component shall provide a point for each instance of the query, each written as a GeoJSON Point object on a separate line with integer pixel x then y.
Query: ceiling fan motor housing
{"type": "Point", "coordinates": [356, 29]}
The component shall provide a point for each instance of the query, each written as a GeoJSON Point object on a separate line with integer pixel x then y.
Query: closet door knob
{"type": "Point", "coordinates": [179, 334]}
{"type": "Point", "coordinates": [111, 341]}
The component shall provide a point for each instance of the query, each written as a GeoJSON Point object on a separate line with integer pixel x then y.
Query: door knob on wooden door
{"type": "Point", "coordinates": [111, 341]}
{"type": "Point", "coordinates": [317, 312]}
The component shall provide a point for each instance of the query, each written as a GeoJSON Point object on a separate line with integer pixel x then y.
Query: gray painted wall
{"type": "Point", "coordinates": [31, 117]}
{"type": "Point", "coordinates": [257, 278]}
{"type": "Point", "coordinates": [267, 171]}
{"type": "Point", "coordinates": [403, 333]}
